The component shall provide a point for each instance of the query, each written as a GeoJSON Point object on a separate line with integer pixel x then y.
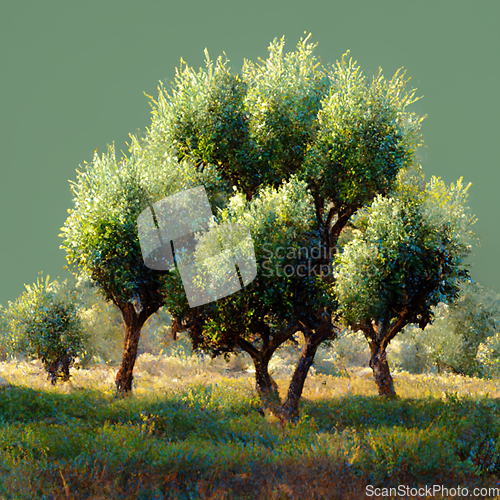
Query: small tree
{"type": "Point", "coordinates": [45, 325]}
{"type": "Point", "coordinates": [283, 298]}
{"type": "Point", "coordinates": [471, 318]}
{"type": "Point", "coordinates": [101, 237]}
{"type": "Point", "coordinates": [451, 342]}
{"type": "Point", "coordinates": [488, 355]}
{"type": "Point", "coordinates": [409, 258]}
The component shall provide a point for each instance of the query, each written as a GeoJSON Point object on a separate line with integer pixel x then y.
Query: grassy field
{"type": "Point", "coordinates": [191, 430]}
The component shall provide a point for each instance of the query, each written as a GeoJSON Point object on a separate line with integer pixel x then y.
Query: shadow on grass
{"type": "Point", "coordinates": [208, 442]}
{"type": "Point", "coordinates": [372, 412]}
{"type": "Point", "coordinates": [196, 408]}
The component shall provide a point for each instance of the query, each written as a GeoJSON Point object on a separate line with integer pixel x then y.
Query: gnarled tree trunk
{"type": "Point", "coordinates": [133, 325]}
{"type": "Point", "coordinates": [59, 368]}
{"type": "Point", "coordinates": [289, 410]}
{"type": "Point", "coordinates": [266, 387]}
{"type": "Point", "coordinates": [381, 372]}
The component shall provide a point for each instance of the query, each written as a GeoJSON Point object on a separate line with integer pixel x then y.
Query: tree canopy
{"type": "Point", "coordinates": [409, 257]}
{"type": "Point", "coordinates": [279, 127]}
{"type": "Point", "coordinates": [101, 239]}
{"type": "Point", "coordinates": [344, 135]}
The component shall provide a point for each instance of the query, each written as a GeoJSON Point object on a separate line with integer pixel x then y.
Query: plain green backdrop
{"type": "Point", "coordinates": [72, 77]}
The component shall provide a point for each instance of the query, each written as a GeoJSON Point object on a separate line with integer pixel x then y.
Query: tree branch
{"type": "Point", "coordinates": [284, 335]}
{"type": "Point", "coordinates": [340, 223]}
{"type": "Point", "coordinates": [248, 347]}
{"type": "Point", "coordinates": [401, 322]}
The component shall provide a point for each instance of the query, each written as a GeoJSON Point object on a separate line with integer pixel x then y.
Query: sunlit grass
{"type": "Point", "coordinates": [191, 430]}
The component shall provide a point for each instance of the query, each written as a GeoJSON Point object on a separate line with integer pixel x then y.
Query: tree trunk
{"type": "Point", "coordinates": [133, 325]}
{"type": "Point", "coordinates": [266, 387]}
{"type": "Point", "coordinates": [381, 372]}
{"type": "Point", "coordinates": [440, 369]}
{"type": "Point", "coordinates": [289, 410]}
{"type": "Point", "coordinates": [175, 327]}
{"type": "Point", "coordinates": [65, 364]}
{"type": "Point", "coordinates": [59, 368]}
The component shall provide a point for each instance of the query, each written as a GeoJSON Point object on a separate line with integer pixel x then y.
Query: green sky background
{"type": "Point", "coordinates": [72, 78]}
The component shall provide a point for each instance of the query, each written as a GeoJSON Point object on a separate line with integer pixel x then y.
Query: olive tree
{"type": "Point", "coordinates": [282, 298]}
{"type": "Point", "coordinates": [409, 257]}
{"type": "Point", "coordinates": [101, 236]}
{"type": "Point", "coordinates": [452, 342]}
{"type": "Point", "coordinates": [44, 323]}
{"type": "Point", "coordinates": [345, 135]}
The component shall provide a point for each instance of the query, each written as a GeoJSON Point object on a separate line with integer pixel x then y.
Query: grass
{"type": "Point", "coordinates": [191, 430]}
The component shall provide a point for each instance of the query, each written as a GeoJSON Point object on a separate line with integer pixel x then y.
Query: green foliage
{"type": "Point", "coordinates": [44, 324]}
{"type": "Point", "coordinates": [462, 337]}
{"type": "Point", "coordinates": [366, 136]}
{"type": "Point", "coordinates": [204, 119]}
{"type": "Point", "coordinates": [289, 114]}
{"type": "Point", "coordinates": [488, 356]}
{"type": "Point", "coordinates": [409, 258]}
{"type": "Point", "coordinates": [100, 234]}
{"type": "Point", "coordinates": [285, 94]}
{"type": "Point", "coordinates": [447, 206]}
{"type": "Point", "coordinates": [254, 125]}
{"type": "Point", "coordinates": [4, 334]}
{"type": "Point", "coordinates": [281, 222]}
